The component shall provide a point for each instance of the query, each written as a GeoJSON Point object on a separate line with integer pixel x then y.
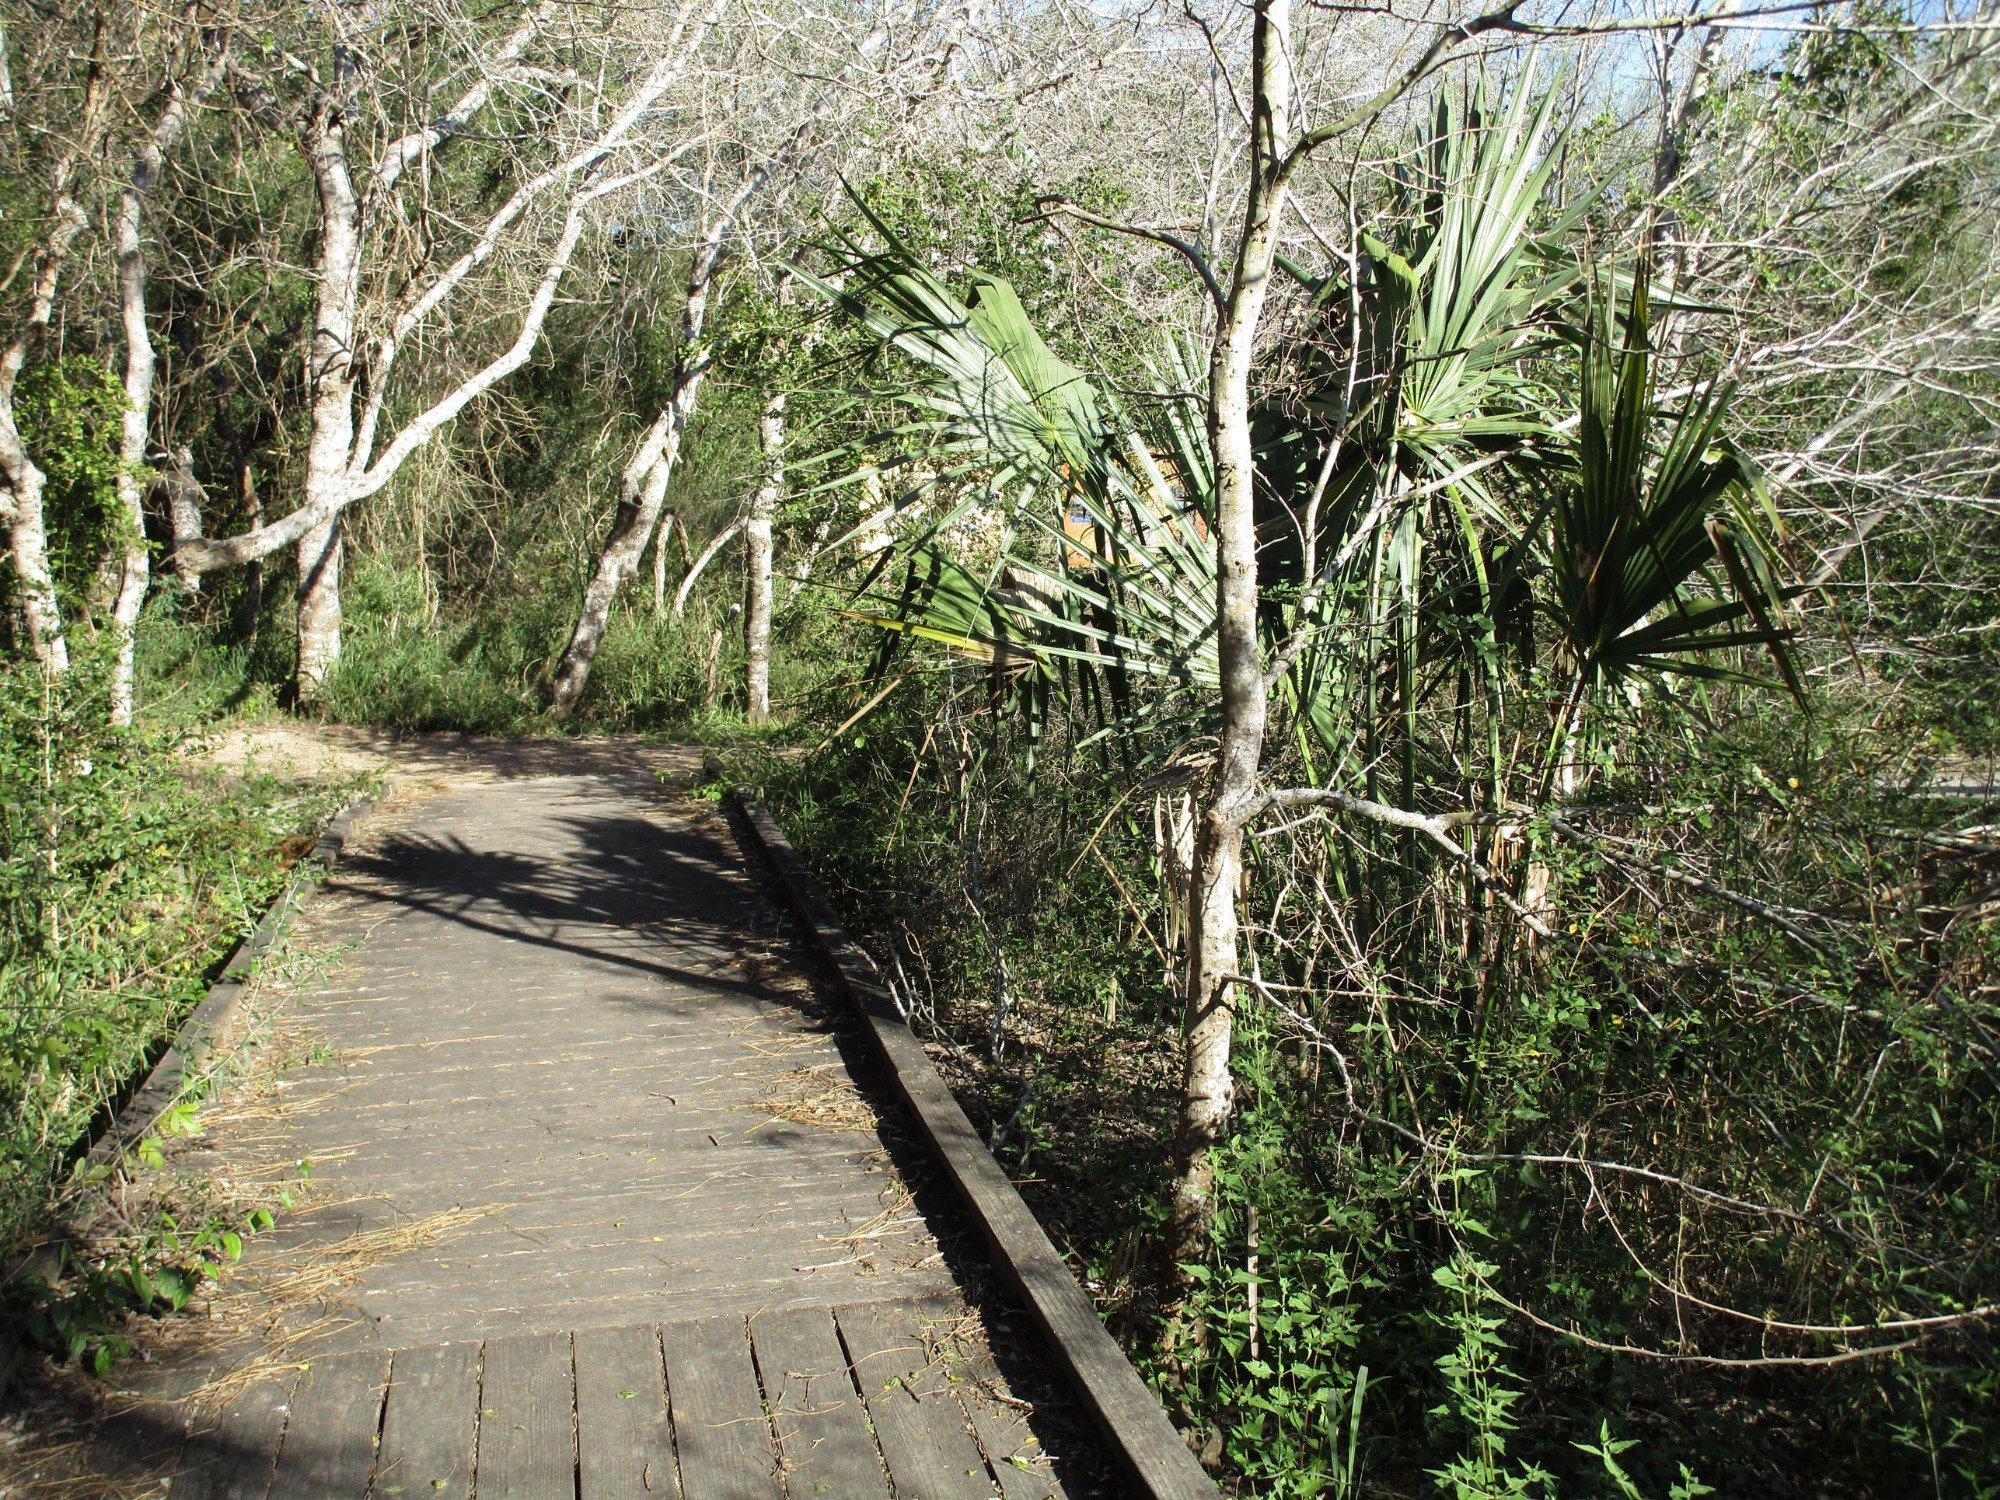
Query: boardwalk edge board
{"type": "Point", "coordinates": [1135, 1428]}
{"type": "Point", "coordinates": [193, 1043]}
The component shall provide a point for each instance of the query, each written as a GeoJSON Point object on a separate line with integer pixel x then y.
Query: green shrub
{"type": "Point", "coordinates": [1355, 1297]}
{"type": "Point", "coordinates": [191, 674]}
{"type": "Point", "coordinates": [403, 667]}
{"type": "Point", "coordinates": [406, 664]}
{"type": "Point", "coordinates": [68, 414]}
{"type": "Point", "coordinates": [126, 873]}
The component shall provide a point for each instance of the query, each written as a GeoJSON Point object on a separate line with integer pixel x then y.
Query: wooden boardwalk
{"type": "Point", "coordinates": [639, 1221]}
{"type": "Point", "coordinates": [807, 1401]}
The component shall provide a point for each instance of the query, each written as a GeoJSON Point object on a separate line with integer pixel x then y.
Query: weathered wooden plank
{"type": "Point", "coordinates": [737, 1208]}
{"type": "Point", "coordinates": [329, 1443]}
{"type": "Point", "coordinates": [430, 1423]}
{"type": "Point", "coordinates": [1013, 1451]}
{"type": "Point", "coordinates": [527, 1428]}
{"type": "Point", "coordinates": [234, 1457]}
{"type": "Point", "coordinates": [1020, 1467]}
{"type": "Point", "coordinates": [917, 1421]}
{"type": "Point", "coordinates": [1134, 1425]}
{"type": "Point", "coordinates": [720, 1430]}
{"type": "Point", "coordinates": [152, 1433]}
{"type": "Point", "coordinates": [822, 1425]}
{"type": "Point", "coordinates": [624, 1443]}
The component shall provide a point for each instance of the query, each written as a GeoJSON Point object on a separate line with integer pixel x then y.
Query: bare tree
{"type": "Point", "coordinates": [643, 489]}
{"type": "Point", "coordinates": [1216, 871]}
{"type": "Point", "coordinates": [378, 293]}
{"type": "Point", "coordinates": [1873, 356]}
{"type": "Point", "coordinates": [846, 98]}
{"type": "Point", "coordinates": [140, 363]}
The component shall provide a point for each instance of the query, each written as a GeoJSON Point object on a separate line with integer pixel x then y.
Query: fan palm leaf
{"type": "Point", "coordinates": [1657, 502]}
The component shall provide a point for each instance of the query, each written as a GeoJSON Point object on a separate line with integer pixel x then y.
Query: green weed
{"type": "Point", "coordinates": [126, 873]}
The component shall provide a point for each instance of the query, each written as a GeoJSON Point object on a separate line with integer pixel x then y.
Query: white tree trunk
{"type": "Point", "coordinates": [643, 491]}
{"type": "Point", "coordinates": [252, 618]}
{"type": "Point", "coordinates": [28, 544]}
{"type": "Point", "coordinates": [136, 573]}
{"type": "Point", "coordinates": [663, 535]}
{"type": "Point", "coordinates": [757, 565]}
{"type": "Point", "coordinates": [1207, 1086]}
{"type": "Point", "coordinates": [137, 418]}
{"type": "Point", "coordinates": [700, 564]}
{"type": "Point", "coordinates": [330, 444]}
{"type": "Point", "coordinates": [642, 496]}
{"type": "Point", "coordinates": [319, 556]}
{"type": "Point", "coordinates": [22, 482]}
{"type": "Point", "coordinates": [184, 515]}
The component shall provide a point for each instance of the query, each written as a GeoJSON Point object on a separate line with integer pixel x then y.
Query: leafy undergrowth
{"type": "Point", "coordinates": [128, 870]}
{"type": "Point", "coordinates": [1357, 1337]}
{"type": "Point", "coordinates": [135, 1241]}
{"type": "Point", "coordinates": [1073, 1085]}
{"type": "Point", "coordinates": [482, 667]}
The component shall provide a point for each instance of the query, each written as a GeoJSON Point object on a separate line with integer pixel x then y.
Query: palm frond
{"type": "Point", "coordinates": [1655, 502]}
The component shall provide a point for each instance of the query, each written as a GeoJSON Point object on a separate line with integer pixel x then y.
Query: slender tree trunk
{"type": "Point", "coordinates": [643, 492]}
{"type": "Point", "coordinates": [184, 515]}
{"type": "Point", "coordinates": [663, 536]}
{"type": "Point", "coordinates": [1665, 234]}
{"type": "Point", "coordinates": [137, 418]}
{"type": "Point", "coordinates": [319, 555]}
{"type": "Point", "coordinates": [22, 481]}
{"type": "Point", "coordinates": [136, 573]}
{"type": "Point", "coordinates": [133, 424]}
{"type": "Point", "coordinates": [757, 565]}
{"type": "Point", "coordinates": [700, 564]}
{"type": "Point", "coordinates": [331, 444]}
{"type": "Point", "coordinates": [1207, 1087]}
{"type": "Point", "coordinates": [28, 544]}
{"type": "Point", "coordinates": [642, 497]}
{"type": "Point", "coordinates": [252, 617]}
{"type": "Point", "coordinates": [645, 484]}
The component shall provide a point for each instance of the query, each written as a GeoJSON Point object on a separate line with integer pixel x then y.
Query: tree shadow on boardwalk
{"type": "Point", "coordinates": [625, 893]}
{"type": "Point", "coordinates": [637, 927]}
{"type": "Point", "coordinates": [682, 904]}
{"type": "Point", "coordinates": [1018, 1348]}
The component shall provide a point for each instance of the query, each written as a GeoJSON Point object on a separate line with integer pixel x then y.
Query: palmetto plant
{"type": "Point", "coordinates": [997, 420]}
{"type": "Point", "coordinates": [1421, 480]}
{"type": "Point", "coordinates": [1415, 360]}
{"type": "Point", "coordinates": [1654, 500]}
